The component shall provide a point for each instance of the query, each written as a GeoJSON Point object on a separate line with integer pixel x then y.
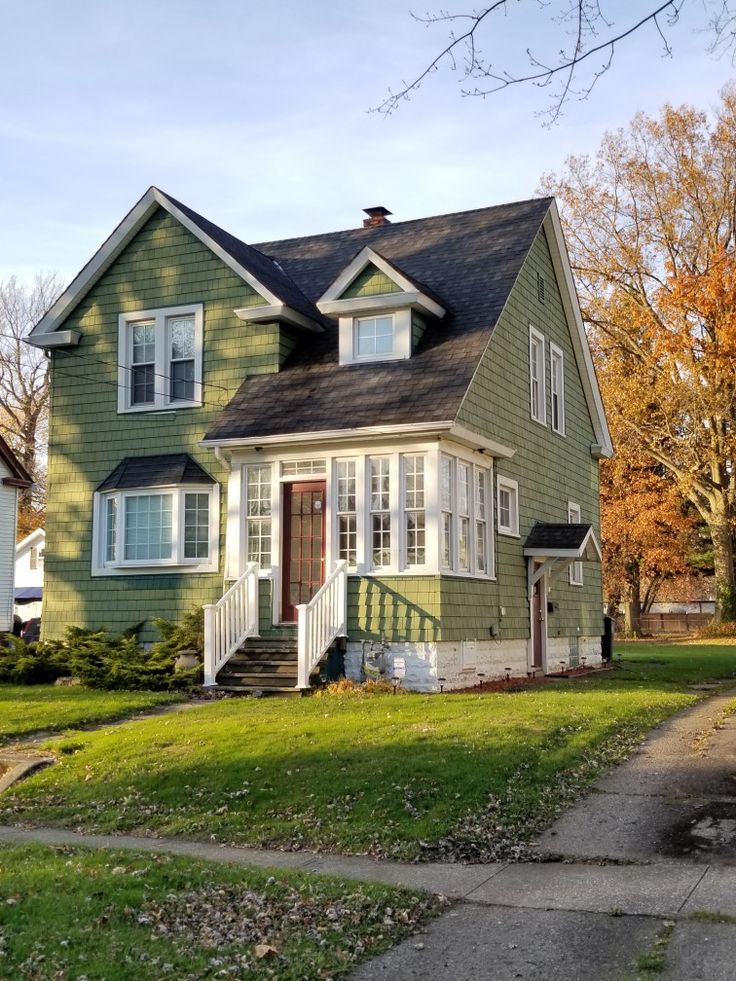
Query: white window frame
{"type": "Point", "coordinates": [162, 380]}
{"type": "Point", "coordinates": [450, 511]}
{"type": "Point", "coordinates": [557, 387]}
{"type": "Point", "coordinates": [512, 488]}
{"type": "Point", "coordinates": [406, 511]}
{"type": "Point", "coordinates": [177, 563]}
{"type": "Point", "coordinates": [575, 572]}
{"type": "Point", "coordinates": [261, 519]}
{"type": "Point", "coordinates": [401, 341]}
{"type": "Point", "coordinates": [537, 342]}
{"type": "Point", "coordinates": [354, 513]}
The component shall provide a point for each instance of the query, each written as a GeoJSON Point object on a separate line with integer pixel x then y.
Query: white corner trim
{"type": "Point", "coordinates": [603, 447]}
{"type": "Point", "coordinates": [114, 245]}
{"type": "Point", "coordinates": [277, 311]}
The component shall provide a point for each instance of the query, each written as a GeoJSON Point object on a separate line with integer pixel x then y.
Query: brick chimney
{"type": "Point", "coordinates": [376, 216]}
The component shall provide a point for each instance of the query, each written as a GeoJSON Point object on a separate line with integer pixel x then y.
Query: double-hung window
{"type": "Point", "coordinates": [508, 506]}
{"type": "Point", "coordinates": [160, 359]}
{"type": "Point", "coordinates": [380, 512]}
{"type": "Point", "coordinates": [537, 389]}
{"type": "Point", "coordinates": [576, 568]}
{"type": "Point", "coordinates": [481, 522]}
{"type": "Point", "coordinates": [557, 379]}
{"type": "Point", "coordinates": [258, 505]}
{"type": "Point", "coordinates": [414, 514]}
{"type": "Point", "coordinates": [463, 516]}
{"type": "Point", "coordinates": [347, 516]}
{"type": "Point", "coordinates": [447, 495]}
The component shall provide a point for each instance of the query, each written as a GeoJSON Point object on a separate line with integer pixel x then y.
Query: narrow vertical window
{"type": "Point", "coordinates": [259, 515]}
{"type": "Point", "coordinates": [481, 521]}
{"type": "Point", "coordinates": [181, 358]}
{"type": "Point", "coordinates": [536, 376]}
{"type": "Point", "coordinates": [414, 513]}
{"type": "Point", "coordinates": [576, 568]}
{"type": "Point", "coordinates": [557, 371]}
{"type": "Point", "coordinates": [380, 507]}
{"type": "Point", "coordinates": [347, 524]}
{"type": "Point", "coordinates": [508, 506]}
{"type": "Point", "coordinates": [143, 364]}
{"type": "Point", "coordinates": [196, 526]}
{"type": "Point", "coordinates": [111, 518]}
{"type": "Point", "coordinates": [463, 516]}
{"type": "Point", "coordinates": [446, 511]}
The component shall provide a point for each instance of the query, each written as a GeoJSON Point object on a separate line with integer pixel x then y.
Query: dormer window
{"type": "Point", "coordinates": [381, 311]}
{"type": "Point", "coordinates": [373, 337]}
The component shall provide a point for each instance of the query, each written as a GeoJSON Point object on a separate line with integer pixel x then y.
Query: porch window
{"type": "Point", "coordinates": [258, 493]}
{"type": "Point", "coordinates": [481, 521]}
{"type": "Point", "coordinates": [380, 511]}
{"type": "Point", "coordinates": [414, 513]}
{"type": "Point", "coordinates": [463, 522]}
{"type": "Point", "coordinates": [576, 568]}
{"type": "Point", "coordinates": [347, 517]}
{"type": "Point", "coordinates": [446, 510]}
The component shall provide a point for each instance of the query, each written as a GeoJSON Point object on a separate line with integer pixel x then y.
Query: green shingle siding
{"type": "Point", "coordinates": [371, 282]}
{"type": "Point", "coordinates": [165, 265]}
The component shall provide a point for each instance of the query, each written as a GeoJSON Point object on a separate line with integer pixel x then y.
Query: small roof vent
{"type": "Point", "coordinates": [376, 216]}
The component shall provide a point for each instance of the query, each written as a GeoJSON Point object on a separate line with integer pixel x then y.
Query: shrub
{"type": "Point", "coordinates": [717, 628]}
{"type": "Point", "coordinates": [29, 664]}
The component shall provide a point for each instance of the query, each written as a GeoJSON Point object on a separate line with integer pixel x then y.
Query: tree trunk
{"type": "Point", "coordinates": [632, 607]}
{"type": "Point", "coordinates": [723, 555]}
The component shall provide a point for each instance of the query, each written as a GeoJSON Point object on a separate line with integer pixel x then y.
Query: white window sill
{"type": "Point", "coordinates": [171, 407]}
{"type": "Point", "coordinates": [507, 533]}
{"type": "Point", "coordinates": [155, 570]}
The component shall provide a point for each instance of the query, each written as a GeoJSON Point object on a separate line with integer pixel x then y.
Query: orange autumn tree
{"type": "Point", "coordinates": [651, 227]}
{"type": "Point", "coordinates": [647, 533]}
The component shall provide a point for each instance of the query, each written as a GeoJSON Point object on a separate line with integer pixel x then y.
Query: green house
{"type": "Point", "coordinates": [385, 439]}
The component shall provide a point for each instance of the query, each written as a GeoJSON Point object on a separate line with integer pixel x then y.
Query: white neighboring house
{"type": "Point", "coordinates": [13, 479]}
{"type": "Point", "coordinates": [29, 574]}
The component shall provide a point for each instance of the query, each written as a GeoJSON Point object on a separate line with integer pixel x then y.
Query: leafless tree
{"type": "Point", "coordinates": [583, 40]}
{"type": "Point", "coordinates": [24, 393]}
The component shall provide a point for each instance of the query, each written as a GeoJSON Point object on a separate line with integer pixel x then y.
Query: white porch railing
{"type": "Point", "coordinates": [321, 620]}
{"type": "Point", "coordinates": [229, 621]}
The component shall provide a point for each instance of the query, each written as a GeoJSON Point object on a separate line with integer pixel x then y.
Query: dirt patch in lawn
{"type": "Point", "coordinates": [512, 684]}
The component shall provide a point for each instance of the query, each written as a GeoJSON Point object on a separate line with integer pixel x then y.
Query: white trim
{"type": "Point", "coordinates": [418, 429]}
{"type": "Point", "coordinates": [556, 353]}
{"type": "Point", "coordinates": [61, 338]}
{"type": "Point", "coordinates": [534, 576]}
{"type": "Point", "coordinates": [115, 244]}
{"type": "Point", "coordinates": [162, 360]}
{"type": "Point", "coordinates": [277, 311]}
{"type": "Point", "coordinates": [575, 572]}
{"type": "Point", "coordinates": [401, 326]}
{"type": "Point", "coordinates": [512, 486]}
{"type": "Point", "coordinates": [536, 337]}
{"type": "Point", "coordinates": [177, 564]}
{"type": "Point", "coordinates": [332, 301]}
{"type": "Point", "coordinates": [602, 448]}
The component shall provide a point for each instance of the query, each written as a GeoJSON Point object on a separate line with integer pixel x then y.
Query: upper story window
{"type": "Point", "coordinates": [508, 506]}
{"type": "Point", "coordinates": [160, 359]}
{"type": "Point", "coordinates": [557, 373]}
{"type": "Point", "coordinates": [36, 558]}
{"type": "Point", "coordinates": [538, 401]}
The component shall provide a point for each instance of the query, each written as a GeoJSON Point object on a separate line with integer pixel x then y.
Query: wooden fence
{"type": "Point", "coordinates": [673, 623]}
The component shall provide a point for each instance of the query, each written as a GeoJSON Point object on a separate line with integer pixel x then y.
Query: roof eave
{"type": "Point", "coordinates": [277, 311]}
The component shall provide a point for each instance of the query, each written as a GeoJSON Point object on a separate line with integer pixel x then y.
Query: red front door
{"type": "Point", "coordinates": [304, 545]}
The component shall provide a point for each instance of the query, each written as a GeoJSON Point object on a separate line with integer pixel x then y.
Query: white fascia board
{"type": "Point", "coordinates": [589, 549]}
{"type": "Point", "coordinates": [466, 436]}
{"type": "Point", "coordinates": [277, 311]}
{"type": "Point", "coordinates": [59, 338]}
{"type": "Point", "coordinates": [333, 435]}
{"type": "Point", "coordinates": [114, 245]}
{"type": "Point", "coordinates": [365, 257]}
{"type": "Point", "coordinates": [386, 301]}
{"type": "Point", "coordinates": [39, 535]}
{"type": "Point", "coordinates": [603, 448]}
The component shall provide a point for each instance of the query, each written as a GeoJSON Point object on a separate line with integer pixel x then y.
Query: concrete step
{"type": "Point", "coordinates": [262, 667]}
{"type": "Point", "coordinates": [264, 657]}
{"type": "Point", "coordinates": [260, 681]}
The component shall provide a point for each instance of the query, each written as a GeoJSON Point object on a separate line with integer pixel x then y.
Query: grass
{"type": "Point", "coordinates": [78, 913]}
{"type": "Point", "coordinates": [413, 776]}
{"type": "Point", "coordinates": [25, 709]}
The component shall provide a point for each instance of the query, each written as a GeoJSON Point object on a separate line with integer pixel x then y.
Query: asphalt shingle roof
{"type": "Point", "coordinates": [161, 470]}
{"type": "Point", "coordinates": [557, 536]}
{"type": "Point", "coordinates": [470, 261]}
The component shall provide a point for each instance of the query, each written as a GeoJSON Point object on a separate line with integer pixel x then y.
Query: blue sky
{"type": "Point", "coordinates": [256, 115]}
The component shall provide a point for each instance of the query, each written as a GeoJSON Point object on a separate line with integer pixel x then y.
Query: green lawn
{"type": "Point", "coordinates": [117, 916]}
{"type": "Point", "coordinates": [467, 776]}
{"type": "Point", "coordinates": [41, 708]}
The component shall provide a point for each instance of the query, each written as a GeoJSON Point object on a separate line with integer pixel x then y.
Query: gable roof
{"type": "Point", "coordinates": [562, 541]}
{"type": "Point", "coordinates": [19, 476]}
{"type": "Point", "coordinates": [472, 260]}
{"type": "Point", "coordinates": [36, 537]}
{"type": "Point", "coordinates": [256, 269]}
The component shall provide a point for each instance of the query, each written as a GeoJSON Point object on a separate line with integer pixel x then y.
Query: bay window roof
{"type": "Point", "coordinates": [163, 470]}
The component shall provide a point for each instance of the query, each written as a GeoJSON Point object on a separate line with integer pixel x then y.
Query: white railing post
{"type": "Point", "coordinates": [303, 623]}
{"type": "Point", "coordinates": [209, 638]}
